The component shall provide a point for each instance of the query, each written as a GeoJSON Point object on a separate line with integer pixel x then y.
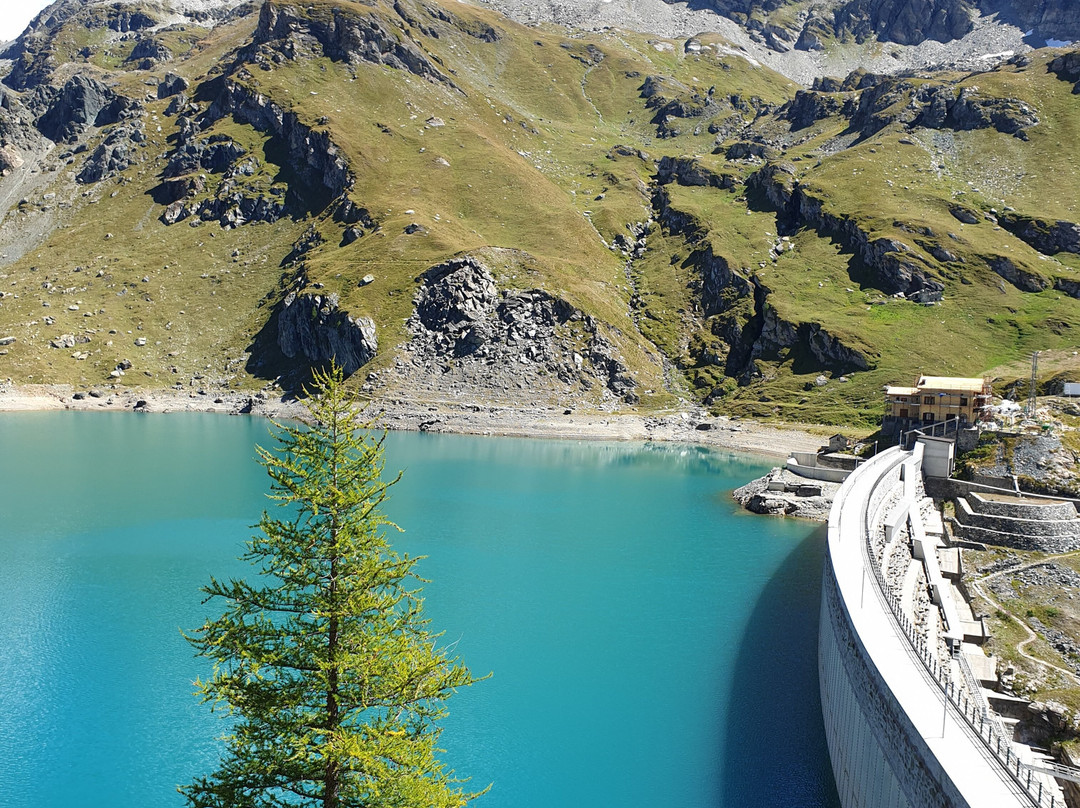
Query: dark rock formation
{"type": "Point", "coordinates": [342, 34]}
{"type": "Point", "coordinates": [216, 153]}
{"type": "Point", "coordinates": [462, 315]}
{"type": "Point", "coordinates": [1067, 68]}
{"type": "Point", "coordinates": [906, 22]}
{"type": "Point", "coordinates": [171, 85]}
{"type": "Point", "coordinates": [1047, 237]}
{"type": "Point", "coordinates": [688, 171]}
{"type": "Point", "coordinates": [147, 52]}
{"type": "Point", "coordinates": [315, 329]}
{"type": "Point", "coordinates": [1024, 279]}
{"type": "Point", "coordinates": [962, 214]}
{"type": "Point", "coordinates": [474, 28]}
{"type": "Point", "coordinates": [897, 267]}
{"type": "Point", "coordinates": [312, 154]}
{"type": "Point", "coordinates": [872, 102]}
{"type": "Point", "coordinates": [742, 316]}
{"type": "Point", "coordinates": [810, 106]}
{"type": "Point", "coordinates": [74, 108]}
{"type": "Point", "coordinates": [113, 155]}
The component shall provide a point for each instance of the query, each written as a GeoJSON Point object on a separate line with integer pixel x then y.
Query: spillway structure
{"type": "Point", "coordinates": [907, 723]}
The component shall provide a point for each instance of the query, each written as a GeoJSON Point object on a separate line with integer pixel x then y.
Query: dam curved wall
{"type": "Point", "coordinates": [896, 737]}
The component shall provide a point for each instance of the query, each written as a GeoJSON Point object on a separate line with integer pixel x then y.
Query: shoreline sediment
{"type": "Point", "coordinates": [496, 420]}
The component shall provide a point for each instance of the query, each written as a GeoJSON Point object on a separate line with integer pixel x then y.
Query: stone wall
{"type": "Point", "coordinates": [1027, 509]}
{"type": "Point", "coordinates": [951, 489]}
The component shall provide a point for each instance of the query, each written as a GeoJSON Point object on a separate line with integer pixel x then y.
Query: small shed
{"type": "Point", "coordinates": [840, 443]}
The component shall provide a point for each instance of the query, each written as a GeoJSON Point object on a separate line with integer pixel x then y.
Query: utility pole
{"type": "Point", "coordinates": [1029, 410]}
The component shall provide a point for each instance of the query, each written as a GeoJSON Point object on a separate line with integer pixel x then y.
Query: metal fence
{"type": "Point", "coordinates": [971, 705]}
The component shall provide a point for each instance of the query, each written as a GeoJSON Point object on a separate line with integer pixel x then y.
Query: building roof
{"type": "Point", "coordinates": [951, 383]}
{"type": "Point", "coordinates": [901, 391]}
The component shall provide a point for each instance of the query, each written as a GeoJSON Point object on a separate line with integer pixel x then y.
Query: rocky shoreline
{"type": "Point", "coordinates": [806, 499]}
{"type": "Point", "coordinates": [539, 421]}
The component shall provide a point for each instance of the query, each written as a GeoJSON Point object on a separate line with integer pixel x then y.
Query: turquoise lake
{"type": "Point", "coordinates": [651, 645]}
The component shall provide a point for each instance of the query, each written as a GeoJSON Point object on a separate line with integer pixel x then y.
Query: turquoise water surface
{"type": "Point", "coordinates": [651, 646]}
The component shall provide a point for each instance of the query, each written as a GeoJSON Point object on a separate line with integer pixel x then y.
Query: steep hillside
{"type": "Point", "coordinates": [460, 207]}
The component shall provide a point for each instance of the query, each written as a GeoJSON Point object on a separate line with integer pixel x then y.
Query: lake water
{"type": "Point", "coordinates": [650, 644]}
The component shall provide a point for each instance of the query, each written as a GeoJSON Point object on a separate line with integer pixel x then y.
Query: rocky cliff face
{"type": "Point", "coordinates": [874, 102]}
{"type": "Point", "coordinates": [313, 329]}
{"type": "Point", "coordinates": [466, 330]}
{"type": "Point", "coordinates": [286, 32]}
{"type": "Point", "coordinates": [34, 52]}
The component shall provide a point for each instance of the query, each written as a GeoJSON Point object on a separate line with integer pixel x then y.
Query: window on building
{"type": "Point", "coordinates": [904, 412]}
{"type": "Point", "coordinates": [963, 401]}
{"type": "Point", "coordinates": [927, 399]}
{"type": "Point", "coordinates": [928, 418]}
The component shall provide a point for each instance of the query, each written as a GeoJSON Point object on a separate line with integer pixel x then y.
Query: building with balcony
{"type": "Point", "coordinates": [934, 400]}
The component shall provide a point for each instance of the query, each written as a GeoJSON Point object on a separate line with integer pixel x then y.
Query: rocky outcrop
{"type": "Point", "coordinates": [675, 105]}
{"type": "Point", "coordinates": [1048, 237]}
{"type": "Point", "coordinates": [721, 285]}
{"type": "Point", "coordinates": [81, 103]}
{"type": "Point", "coordinates": [1067, 68]}
{"type": "Point", "coordinates": [810, 106]}
{"type": "Point", "coordinates": [905, 22]}
{"type": "Point", "coordinates": [474, 28]}
{"type": "Point", "coordinates": [465, 325]}
{"type": "Point", "coordinates": [147, 52]}
{"type": "Point", "coordinates": [312, 154]}
{"type": "Point", "coordinates": [1070, 286]}
{"type": "Point", "coordinates": [171, 85]}
{"type": "Point", "coordinates": [689, 171]}
{"type": "Point", "coordinates": [744, 319]}
{"type": "Point", "coordinates": [872, 103]}
{"type": "Point", "coordinates": [778, 337]}
{"type": "Point", "coordinates": [898, 268]}
{"type": "Point", "coordinates": [314, 329]}
{"type": "Point", "coordinates": [944, 108]}
{"type": "Point", "coordinates": [228, 208]}
{"type": "Point", "coordinates": [217, 153]}
{"type": "Point", "coordinates": [1024, 279]}
{"type": "Point", "coordinates": [114, 154]}
{"type": "Point", "coordinates": [339, 33]}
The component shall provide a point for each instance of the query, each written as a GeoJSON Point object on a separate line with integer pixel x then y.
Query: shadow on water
{"type": "Point", "coordinates": [775, 741]}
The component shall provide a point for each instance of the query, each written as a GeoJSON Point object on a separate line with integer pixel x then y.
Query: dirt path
{"type": "Point", "coordinates": [1032, 636]}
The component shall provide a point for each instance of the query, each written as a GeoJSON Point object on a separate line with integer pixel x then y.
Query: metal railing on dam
{"type": "Point", "coordinates": [944, 735]}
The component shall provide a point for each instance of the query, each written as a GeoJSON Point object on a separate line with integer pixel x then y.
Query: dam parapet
{"type": "Point", "coordinates": [901, 671]}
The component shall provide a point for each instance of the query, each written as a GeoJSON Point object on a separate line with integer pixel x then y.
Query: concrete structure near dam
{"type": "Point", "coordinates": [907, 721]}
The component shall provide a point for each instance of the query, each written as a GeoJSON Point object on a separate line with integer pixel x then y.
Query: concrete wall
{"type": "Point", "coordinates": [812, 471]}
{"type": "Point", "coordinates": [878, 757]}
{"type": "Point", "coordinates": [893, 740]}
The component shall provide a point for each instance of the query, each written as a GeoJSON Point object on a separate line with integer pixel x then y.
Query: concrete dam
{"type": "Point", "coordinates": [907, 723]}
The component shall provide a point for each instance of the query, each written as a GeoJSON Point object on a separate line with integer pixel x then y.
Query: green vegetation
{"type": "Point", "coordinates": [325, 663]}
{"type": "Point", "coordinates": [538, 151]}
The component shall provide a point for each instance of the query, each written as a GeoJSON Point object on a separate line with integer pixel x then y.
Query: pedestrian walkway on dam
{"type": "Point", "coordinates": [967, 770]}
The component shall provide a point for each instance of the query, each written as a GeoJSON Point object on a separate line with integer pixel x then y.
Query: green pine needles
{"type": "Point", "coordinates": [325, 663]}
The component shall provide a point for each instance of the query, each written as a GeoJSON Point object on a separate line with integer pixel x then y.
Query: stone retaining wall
{"type": "Point", "coordinates": [1027, 509]}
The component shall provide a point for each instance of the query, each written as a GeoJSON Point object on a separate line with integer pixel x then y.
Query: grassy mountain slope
{"type": "Point", "coordinates": [767, 250]}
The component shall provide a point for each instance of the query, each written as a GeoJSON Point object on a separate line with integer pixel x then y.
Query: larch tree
{"type": "Point", "coordinates": [325, 663]}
